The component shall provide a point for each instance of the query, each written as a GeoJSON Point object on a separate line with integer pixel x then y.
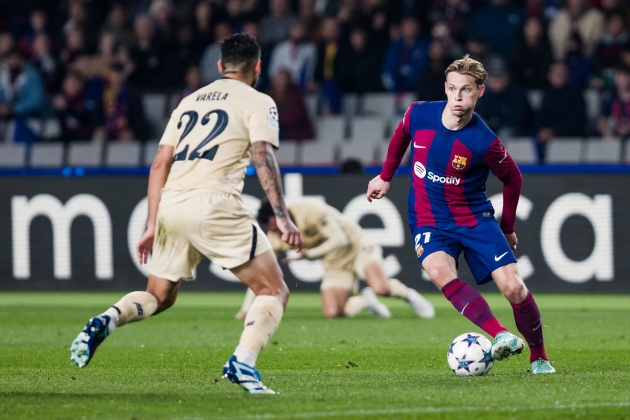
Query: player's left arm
{"type": "Point", "coordinates": [503, 167]}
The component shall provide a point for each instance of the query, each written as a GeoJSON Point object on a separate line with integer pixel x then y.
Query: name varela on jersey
{"type": "Point", "coordinates": [211, 132]}
{"type": "Point", "coordinates": [212, 96]}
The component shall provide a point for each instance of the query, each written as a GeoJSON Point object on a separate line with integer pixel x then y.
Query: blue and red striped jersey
{"type": "Point", "coordinates": [449, 169]}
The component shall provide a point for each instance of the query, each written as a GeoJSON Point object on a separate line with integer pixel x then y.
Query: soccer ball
{"type": "Point", "coordinates": [470, 355]}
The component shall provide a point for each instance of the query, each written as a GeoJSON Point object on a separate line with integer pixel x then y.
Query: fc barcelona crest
{"type": "Point", "coordinates": [459, 162]}
{"type": "Point", "coordinates": [419, 250]}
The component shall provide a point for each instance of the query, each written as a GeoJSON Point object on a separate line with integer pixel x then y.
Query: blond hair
{"type": "Point", "coordinates": [469, 67]}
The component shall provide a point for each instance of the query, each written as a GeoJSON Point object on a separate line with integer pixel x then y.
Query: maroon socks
{"type": "Point", "coordinates": [529, 324]}
{"type": "Point", "coordinates": [474, 307]}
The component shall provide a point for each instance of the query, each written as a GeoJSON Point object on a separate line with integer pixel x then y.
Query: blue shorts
{"type": "Point", "coordinates": [485, 247]}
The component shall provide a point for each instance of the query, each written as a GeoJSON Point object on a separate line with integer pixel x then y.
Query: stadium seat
{"type": "Point", "coordinates": [122, 155]}
{"type": "Point", "coordinates": [318, 153]}
{"type": "Point", "coordinates": [599, 150]}
{"type": "Point", "coordinates": [148, 154]}
{"type": "Point", "coordinates": [381, 154]}
{"type": "Point", "coordinates": [366, 128]}
{"type": "Point", "coordinates": [564, 150]}
{"type": "Point", "coordinates": [627, 152]}
{"type": "Point", "coordinates": [522, 150]}
{"type": "Point", "coordinates": [382, 105]}
{"type": "Point", "coordinates": [593, 101]}
{"type": "Point", "coordinates": [350, 104]}
{"type": "Point", "coordinates": [155, 111]}
{"type": "Point", "coordinates": [311, 101]}
{"type": "Point", "coordinates": [363, 151]}
{"type": "Point", "coordinates": [330, 129]}
{"type": "Point", "coordinates": [85, 154]}
{"type": "Point", "coordinates": [47, 155]}
{"type": "Point", "coordinates": [46, 128]}
{"type": "Point", "coordinates": [287, 153]}
{"type": "Point", "coordinates": [535, 98]}
{"type": "Point", "coordinates": [12, 155]}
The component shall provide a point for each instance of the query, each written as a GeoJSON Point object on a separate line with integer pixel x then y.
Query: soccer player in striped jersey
{"type": "Point", "coordinates": [452, 152]}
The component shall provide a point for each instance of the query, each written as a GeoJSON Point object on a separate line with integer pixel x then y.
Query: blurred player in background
{"type": "Point", "coordinates": [449, 212]}
{"type": "Point", "coordinates": [347, 253]}
{"type": "Point", "coordinates": [196, 210]}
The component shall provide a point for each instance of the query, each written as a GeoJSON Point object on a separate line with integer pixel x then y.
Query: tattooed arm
{"type": "Point", "coordinates": [269, 176]}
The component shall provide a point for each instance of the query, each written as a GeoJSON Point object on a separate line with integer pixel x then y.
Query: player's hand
{"type": "Point", "coordinates": [290, 233]}
{"type": "Point", "coordinates": [377, 188]}
{"type": "Point", "coordinates": [145, 245]}
{"type": "Point", "coordinates": [300, 255]}
{"type": "Point", "coordinates": [512, 240]}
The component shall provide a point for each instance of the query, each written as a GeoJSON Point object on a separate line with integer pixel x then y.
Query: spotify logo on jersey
{"type": "Point", "coordinates": [419, 170]}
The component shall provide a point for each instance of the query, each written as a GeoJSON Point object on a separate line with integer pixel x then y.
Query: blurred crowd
{"type": "Point", "coordinates": [88, 63]}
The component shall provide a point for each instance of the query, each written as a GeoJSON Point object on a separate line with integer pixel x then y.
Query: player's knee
{"type": "Point", "coordinates": [332, 312]}
{"type": "Point", "coordinates": [516, 292]}
{"type": "Point", "coordinates": [439, 275]}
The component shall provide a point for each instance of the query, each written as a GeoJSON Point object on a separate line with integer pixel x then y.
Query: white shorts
{"type": "Point", "coordinates": [214, 225]}
{"type": "Point", "coordinates": [347, 276]}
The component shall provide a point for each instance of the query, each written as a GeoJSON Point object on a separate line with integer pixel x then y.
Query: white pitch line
{"type": "Point", "coordinates": [417, 410]}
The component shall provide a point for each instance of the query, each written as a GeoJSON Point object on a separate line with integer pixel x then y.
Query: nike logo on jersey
{"type": "Point", "coordinates": [418, 147]}
{"type": "Point", "coordinates": [500, 256]}
{"type": "Point", "coordinates": [504, 156]}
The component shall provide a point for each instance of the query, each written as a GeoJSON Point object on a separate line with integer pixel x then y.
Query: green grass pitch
{"type": "Point", "coordinates": [168, 367]}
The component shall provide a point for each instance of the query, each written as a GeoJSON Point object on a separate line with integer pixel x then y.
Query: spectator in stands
{"type": "Point", "coordinates": [430, 85]}
{"type": "Point", "coordinates": [577, 20]}
{"type": "Point", "coordinates": [212, 54]}
{"type": "Point", "coordinates": [277, 25]}
{"type": "Point", "coordinates": [234, 12]}
{"type": "Point", "coordinates": [563, 110]}
{"type": "Point", "coordinates": [76, 116]}
{"type": "Point", "coordinates": [327, 64]}
{"type": "Point", "coordinates": [294, 121]}
{"type": "Point", "coordinates": [146, 54]}
{"type": "Point", "coordinates": [297, 55]}
{"type": "Point", "coordinates": [194, 82]}
{"type": "Point", "coordinates": [181, 55]}
{"type": "Point", "coordinates": [455, 13]}
{"type": "Point", "coordinates": [355, 69]}
{"type": "Point", "coordinates": [477, 47]}
{"type": "Point", "coordinates": [615, 119]}
{"type": "Point", "coordinates": [74, 46]}
{"type": "Point", "coordinates": [500, 22]}
{"type": "Point", "coordinates": [7, 43]}
{"type": "Point", "coordinates": [121, 109]}
{"type": "Point", "coordinates": [78, 20]}
{"type": "Point", "coordinates": [118, 23]}
{"type": "Point", "coordinates": [442, 33]}
{"type": "Point", "coordinates": [37, 25]}
{"type": "Point", "coordinates": [44, 61]}
{"type": "Point", "coordinates": [313, 22]}
{"type": "Point", "coordinates": [202, 28]}
{"type": "Point", "coordinates": [405, 58]}
{"type": "Point", "coordinates": [160, 13]}
{"type": "Point", "coordinates": [504, 106]}
{"type": "Point", "coordinates": [21, 94]}
{"type": "Point", "coordinates": [532, 56]}
{"type": "Point", "coordinates": [608, 53]}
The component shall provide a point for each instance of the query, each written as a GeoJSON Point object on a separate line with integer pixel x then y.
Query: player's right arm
{"type": "Point", "coordinates": [160, 168]}
{"type": "Point", "coordinates": [269, 177]}
{"type": "Point", "coordinates": [398, 145]}
{"type": "Point", "coordinates": [157, 178]}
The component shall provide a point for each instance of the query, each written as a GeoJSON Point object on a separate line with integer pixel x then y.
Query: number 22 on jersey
{"type": "Point", "coordinates": [193, 117]}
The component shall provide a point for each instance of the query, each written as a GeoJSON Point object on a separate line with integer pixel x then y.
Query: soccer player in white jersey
{"type": "Point", "coordinates": [347, 254]}
{"type": "Point", "coordinates": [196, 210]}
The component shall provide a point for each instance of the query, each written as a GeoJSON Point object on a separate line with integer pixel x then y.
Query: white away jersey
{"type": "Point", "coordinates": [212, 131]}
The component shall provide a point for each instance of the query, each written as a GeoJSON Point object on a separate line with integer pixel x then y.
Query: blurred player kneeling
{"type": "Point", "coordinates": [347, 253]}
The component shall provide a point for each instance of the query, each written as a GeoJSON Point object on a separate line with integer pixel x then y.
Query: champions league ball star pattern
{"type": "Point", "coordinates": [469, 355]}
